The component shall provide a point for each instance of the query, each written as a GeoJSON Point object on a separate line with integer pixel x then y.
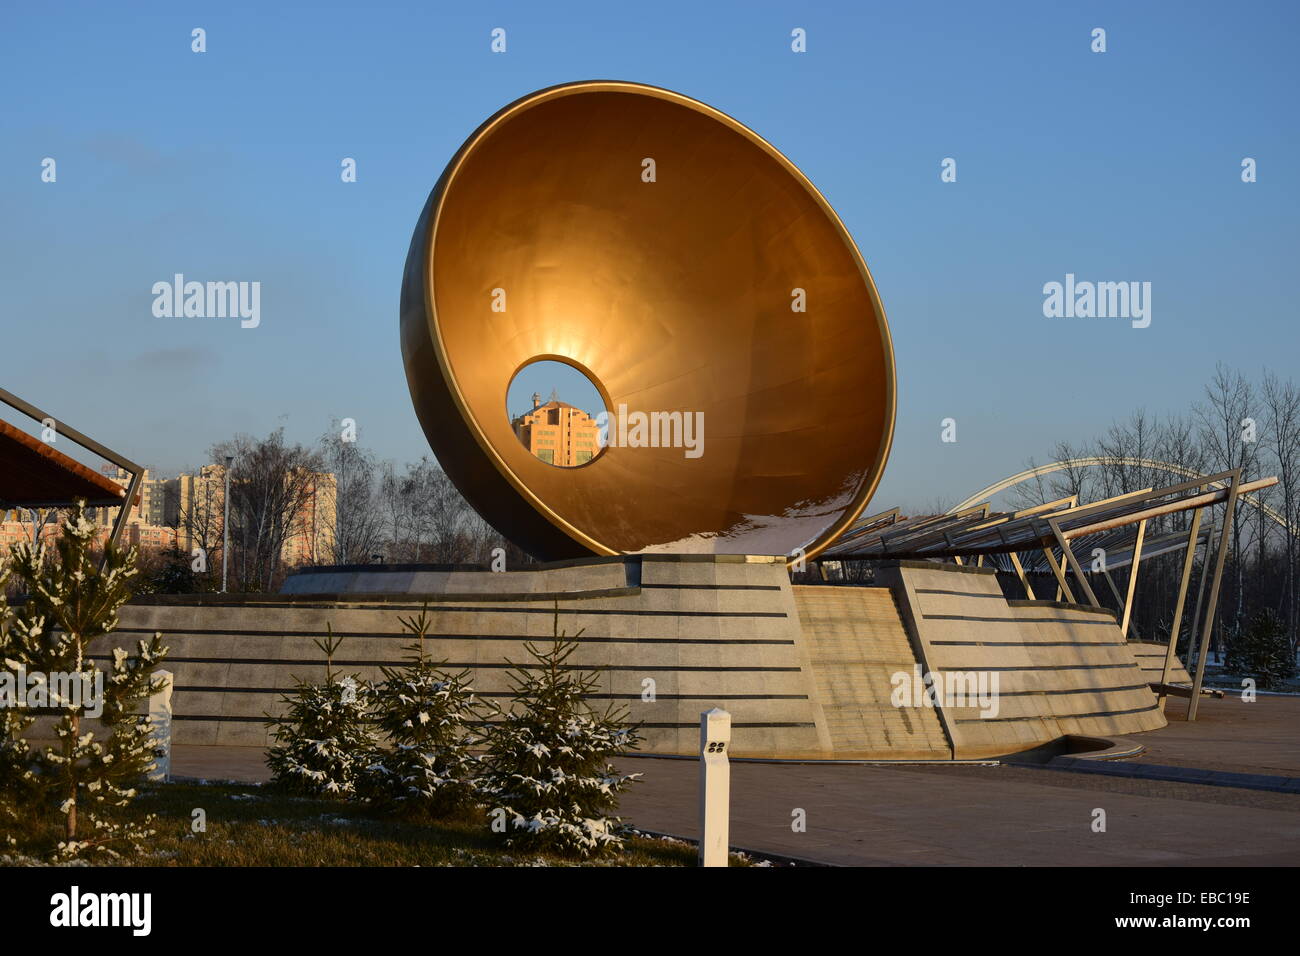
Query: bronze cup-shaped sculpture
{"type": "Point", "coordinates": [685, 266]}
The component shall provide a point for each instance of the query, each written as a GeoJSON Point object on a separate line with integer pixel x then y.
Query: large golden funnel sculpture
{"type": "Point", "coordinates": [674, 287]}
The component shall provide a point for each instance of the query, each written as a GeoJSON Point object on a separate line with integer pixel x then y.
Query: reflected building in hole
{"type": "Point", "coordinates": [558, 433]}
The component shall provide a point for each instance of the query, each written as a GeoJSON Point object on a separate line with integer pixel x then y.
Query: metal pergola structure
{"type": "Point", "coordinates": [1059, 536]}
{"type": "Point", "coordinates": [1106, 551]}
{"type": "Point", "coordinates": [1153, 464]}
{"type": "Point", "coordinates": [124, 499]}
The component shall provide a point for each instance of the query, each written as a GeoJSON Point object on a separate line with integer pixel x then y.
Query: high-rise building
{"type": "Point", "coordinates": [558, 433]}
{"type": "Point", "coordinates": [200, 508]}
{"type": "Point", "coordinates": [156, 501]}
{"type": "Point", "coordinates": [201, 502]}
{"type": "Point", "coordinates": [311, 536]}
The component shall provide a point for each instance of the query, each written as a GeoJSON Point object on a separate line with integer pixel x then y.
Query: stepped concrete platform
{"type": "Point", "coordinates": [669, 636]}
{"type": "Point", "coordinates": [1151, 661]}
{"type": "Point", "coordinates": [806, 672]}
{"type": "Point", "coordinates": [1062, 669]}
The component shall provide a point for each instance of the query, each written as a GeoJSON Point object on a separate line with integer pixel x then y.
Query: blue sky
{"type": "Point", "coordinates": [1123, 165]}
{"type": "Point", "coordinates": [544, 377]}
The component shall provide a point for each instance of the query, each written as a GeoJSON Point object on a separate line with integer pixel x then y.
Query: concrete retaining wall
{"type": "Point", "coordinates": [1151, 659]}
{"type": "Point", "coordinates": [718, 632]}
{"type": "Point", "coordinates": [806, 672]}
{"type": "Point", "coordinates": [1061, 668]}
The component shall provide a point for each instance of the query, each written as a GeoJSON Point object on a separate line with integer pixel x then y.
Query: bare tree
{"type": "Point", "coordinates": [200, 517]}
{"type": "Point", "coordinates": [355, 501]}
{"type": "Point", "coordinates": [1227, 435]}
{"type": "Point", "coordinates": [446, 515]}
{"type": "Point", "coordinates": [271, 483]}
{"type": "Point", "coordinates": [426, 519]}
{"type": "Point", "coordinates": [1177, 442]}
{"type": "Point", "coordinates": [1123, 444]}
{"type": "Point", "coordinates": [1282, 431]}
{"type": "Point", "coordinates": [391, 506]}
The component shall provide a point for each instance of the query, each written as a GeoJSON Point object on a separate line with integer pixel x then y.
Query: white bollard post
{"type": "Point", "coordinates": [160, 710]}
{"type": "Point", "coordinates": [715, 787]}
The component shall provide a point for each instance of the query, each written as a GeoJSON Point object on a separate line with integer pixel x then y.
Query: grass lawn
{"type": "Point", "coordinates": [248, 825]}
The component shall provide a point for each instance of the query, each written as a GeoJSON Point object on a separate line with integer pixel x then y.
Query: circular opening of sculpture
{"type": "Point", "coordinates": [557, 413]}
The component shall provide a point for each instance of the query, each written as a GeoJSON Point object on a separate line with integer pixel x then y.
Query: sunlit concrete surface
{"type": "Point", "coordinates": [1229, 734]}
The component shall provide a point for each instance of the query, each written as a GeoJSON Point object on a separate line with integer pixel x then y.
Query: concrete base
{"type": "Point", "coordinates": [806, 672]}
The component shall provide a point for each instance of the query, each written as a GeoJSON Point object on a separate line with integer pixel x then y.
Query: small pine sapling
{"type": "Point", "coordinates": [91, 772]}
{"type": "Point", "coordinates": [428, 716]}
{"type": "Point", "coordinates": [1263, 651]}
{"type": "Point", "coordinates": [18, 790]}
{"type": "Point", "coordinates": [548, 780]}
{"type": "Point", "coordinates": [325, 738]}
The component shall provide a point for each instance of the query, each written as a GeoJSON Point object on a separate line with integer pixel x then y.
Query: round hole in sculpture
{"type": "Point", "coordinates": [555, 411]}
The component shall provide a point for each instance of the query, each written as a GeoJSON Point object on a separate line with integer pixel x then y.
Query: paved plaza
{"type": "Point", "coordinates": [1009, 814]}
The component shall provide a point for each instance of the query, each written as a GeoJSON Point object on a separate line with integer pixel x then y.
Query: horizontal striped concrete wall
{"type": "Point", "coordinates": [722, 631]}
{"type": "Point", "coordinates": [806, 672]}
{"type": "Point", "coordinates": [1061, 669]}
{"type": "Point", "coordinates": [1151, 660]}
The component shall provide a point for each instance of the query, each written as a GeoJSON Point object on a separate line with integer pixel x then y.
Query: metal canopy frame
{"type": "Point", "coordinates": [136, 471]}
{"type": "Point", "coordinates": [976, 531]}
{"type": "Point", "coordinates": [1119, 546]}
{"type": "Point", "coordinates": [1061, 530]}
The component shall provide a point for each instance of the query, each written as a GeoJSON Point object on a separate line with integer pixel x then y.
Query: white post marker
{"type": "Point", "coordinates": [715, 786]}
{"type": "Point", "coordinates": [160, 710]}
